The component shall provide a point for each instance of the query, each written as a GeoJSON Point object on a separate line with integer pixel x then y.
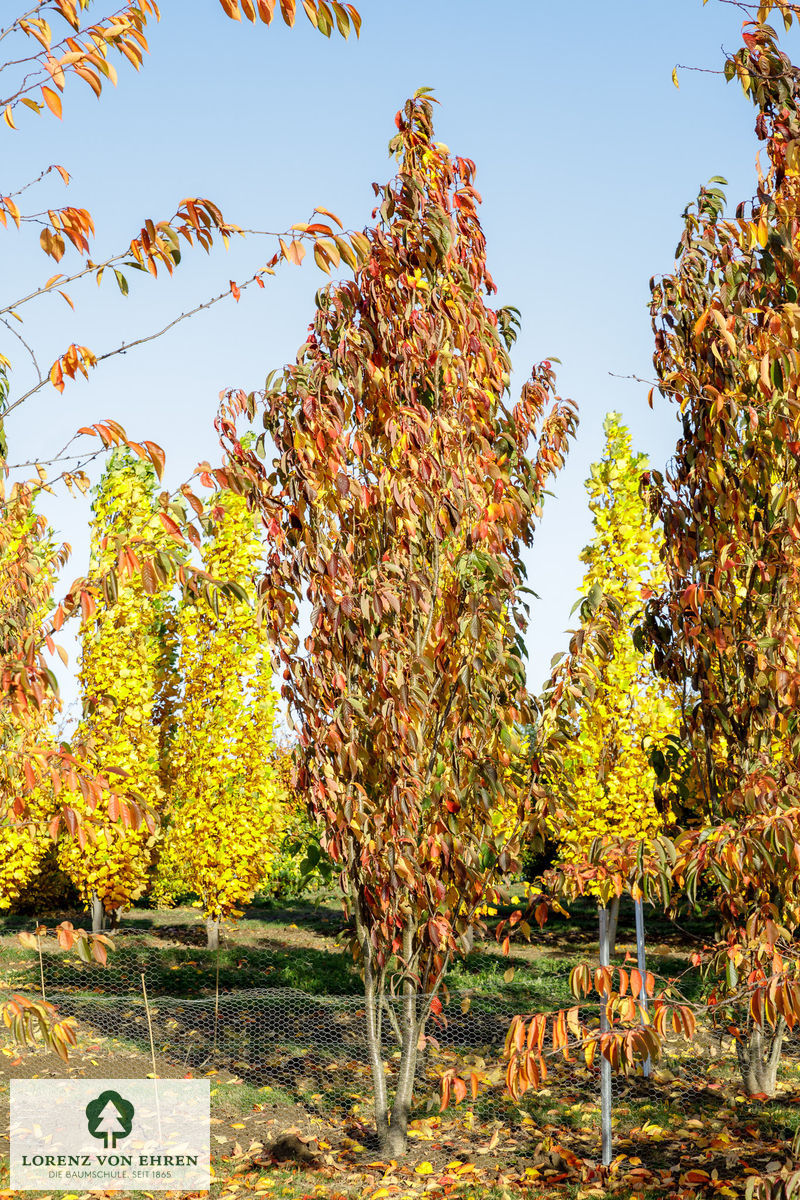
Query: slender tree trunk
{"type": "Point", "coordinates": [409, 1025]}
{"type": "Point", "coordinates": [391, 1123]}
{"type": "Point", "coordinates": [374, 1048]}
{"type": "Point", "coordinates": [212, 933]}
{"type": "Point", "coordinates": [641, 962]}
{"type": "Point", "coordinates": [613, 921]}
{"type": "Point", "coordinates": [98, 914]}
{"type": "Point", "coordinates": [605, 1065]}
{"type": "Point", "coordinates": [759, 1058]}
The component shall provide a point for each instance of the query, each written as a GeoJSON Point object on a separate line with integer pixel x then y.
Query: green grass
{"type": "Point", "coordinates": [259, 954]}
{"type": "Point", "coordinates": [184, 971]}
{"type": "Point", "coordinates": [240, 1097]}
{"type": "Point", "coordinates": [543, 983]}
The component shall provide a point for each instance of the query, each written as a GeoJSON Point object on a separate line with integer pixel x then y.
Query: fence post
{"type": "Point", "coordinates": [642, 964]}
{"type": "Point", "coordinates": [605, 1065]}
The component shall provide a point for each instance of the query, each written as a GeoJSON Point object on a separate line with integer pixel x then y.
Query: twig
{"type": "Point", "coordinates": [125, 346]}
{"type": "Point", "coordinates": [20, 338]}
{"type": "Point", "coordinates": [31, 183]}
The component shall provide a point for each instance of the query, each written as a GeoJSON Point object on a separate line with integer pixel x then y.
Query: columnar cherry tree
{"type": "Point", "coordinates": [226, 812]}
{"type": "Point", "coordinates": [127, 686]}
{"type": "Point", "coordinates": [726, 324]}
{"type": "Point", "coordinates": [30, 558]}
{"type": "Point", "coordinates": [631, 712]}
{"type": "Point", "coordinates": [398, 502]}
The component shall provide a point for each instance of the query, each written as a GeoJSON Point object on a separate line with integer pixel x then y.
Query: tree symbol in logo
{"type": "Point", "coordinates": [110, 1116]}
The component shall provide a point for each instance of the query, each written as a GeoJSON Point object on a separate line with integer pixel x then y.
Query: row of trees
{"type": "Point", "coordinates": [178, 712]}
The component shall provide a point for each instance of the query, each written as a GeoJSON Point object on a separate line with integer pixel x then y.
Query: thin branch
{"type": "Point", "coordinates": [60, 456]}
{"type": "Point", "coordinates": [701, 70]}
{"type": "Point", "coordinates": [49, 462]}
{"type": "Point", "coordinates": [655, 383]}
{"type": "Point", "coordinates": [33, 182]}
{"type": "Point", "coordinates": [89, 269]}
{"type": "Point", "coordinates": [92, 268]}
{"type": "Point", "coordinates": [40, 58]}
{"type": "Point", "coordinates": [20, 338]}
{"type": "Point", "coordinates": [126, 346]}
{"type": "Point", "coordinates": [15, 24]}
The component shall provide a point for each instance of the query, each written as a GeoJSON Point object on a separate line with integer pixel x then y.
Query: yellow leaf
{"type": "Point", "coordinates": [424, 1168]}
{"type": "Point", "coordinates": [320, 259]}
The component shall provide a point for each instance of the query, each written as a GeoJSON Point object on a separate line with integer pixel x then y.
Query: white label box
{"type": "Point", "coordinates": [77, 1135]}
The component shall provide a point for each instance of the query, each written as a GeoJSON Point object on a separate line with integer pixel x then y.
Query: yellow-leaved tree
{"type": "Point", "coordinates": [30, 560]}
{"type": "Point", "coordinates": [631, 713]}
{"type": "Point", "coordinates": [227, 808]}
{"type": "Point", "coordinates": [127, 683]}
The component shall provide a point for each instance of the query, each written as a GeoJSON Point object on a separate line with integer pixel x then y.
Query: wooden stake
{"type": "Point", "coordinates": [152, 1054]}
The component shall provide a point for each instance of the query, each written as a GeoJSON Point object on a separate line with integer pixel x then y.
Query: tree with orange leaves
{"type": "Point", "coordinates": [397, 502]}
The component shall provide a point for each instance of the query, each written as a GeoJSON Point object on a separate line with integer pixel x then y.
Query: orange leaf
{"type": "Point", "coordinates": [57, 376]}
{"type": "Point", "coordinates": [52, 100]}
{"type": "Point", "coordinates": [52, 244]}
{"type": "Point", "coordinates": [156, 456]}
{"type": "Point", "coordinates": [355, 17]}
{"type": "Point", "coordinates": [171, 526]}
{"type": "Point", "coordinates": [326, 212]}
{"type": "Point", "coordinates": [90, 77]}
{"type": "Point", "coordinates": [297, 252]}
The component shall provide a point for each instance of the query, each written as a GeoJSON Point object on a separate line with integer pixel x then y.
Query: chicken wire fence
{"type": "Point", "coordinates": [310, 1050]}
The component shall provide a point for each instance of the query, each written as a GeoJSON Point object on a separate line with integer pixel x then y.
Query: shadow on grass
{"type": "Point", "coordinates": [191, 971]}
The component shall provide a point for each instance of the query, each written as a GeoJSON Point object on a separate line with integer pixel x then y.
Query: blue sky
{"type": "Point", "coordinates": [586, 156]}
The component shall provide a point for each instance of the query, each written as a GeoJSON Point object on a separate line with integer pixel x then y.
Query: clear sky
{"type": "Point", "coordinates": [586, 156]}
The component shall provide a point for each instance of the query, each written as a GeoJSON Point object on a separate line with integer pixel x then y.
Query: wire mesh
{"type": "Point", "coordinates": [309, 1050]}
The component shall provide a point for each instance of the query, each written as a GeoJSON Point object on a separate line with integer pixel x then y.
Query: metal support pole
{"type": "Point", "coordinates": [605, 1065]}
{"type": "Point", "coordinates": [642, 964]}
